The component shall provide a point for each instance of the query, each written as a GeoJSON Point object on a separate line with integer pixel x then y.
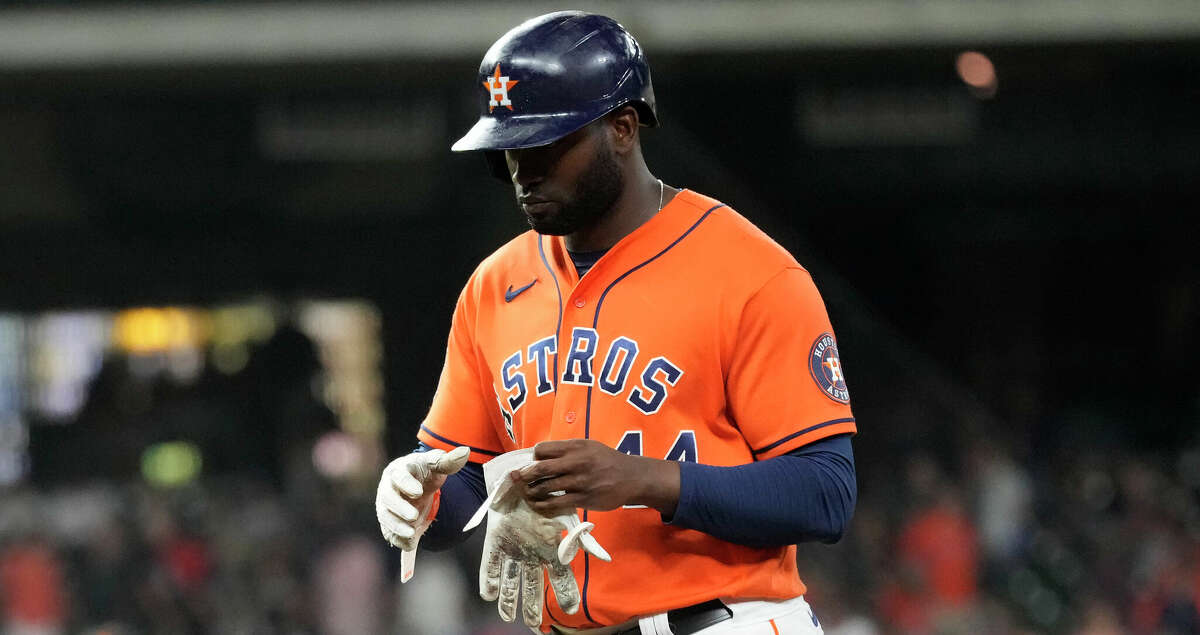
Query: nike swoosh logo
{"type": "Point", "coordinates": [511, 294]}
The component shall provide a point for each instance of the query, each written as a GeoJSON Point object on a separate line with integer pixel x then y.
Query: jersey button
{"type": "Point", "coordinates": [579, 302]}
{"type": "Point", "coordinates": [570, 416]}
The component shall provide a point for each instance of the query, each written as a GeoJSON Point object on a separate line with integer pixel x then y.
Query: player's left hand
{"type": "Point", "coordinates": [584, 474]}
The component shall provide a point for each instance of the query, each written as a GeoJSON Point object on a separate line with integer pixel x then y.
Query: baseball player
{"type": "Point", "coordinates": [673, 369]}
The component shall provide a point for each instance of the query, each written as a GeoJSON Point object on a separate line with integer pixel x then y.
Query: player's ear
{"type": "Point", "coordinates": [623, 129]}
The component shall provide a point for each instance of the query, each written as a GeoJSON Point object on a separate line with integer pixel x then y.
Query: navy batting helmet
{"type": "Point", "coordinates": [551, 76]}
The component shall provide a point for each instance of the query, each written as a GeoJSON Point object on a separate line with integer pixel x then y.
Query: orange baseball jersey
{"type": "Point", "coordinates": [694, 338]}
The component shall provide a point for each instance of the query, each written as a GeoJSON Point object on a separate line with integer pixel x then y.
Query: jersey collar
{"type": "Point", "coordinates": [654, 236]}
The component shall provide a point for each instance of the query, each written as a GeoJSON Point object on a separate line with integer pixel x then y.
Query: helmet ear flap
{"type": "Point", "coordinates": [646, 115]}
{"type": "Point", "coordinates": [497, 165]}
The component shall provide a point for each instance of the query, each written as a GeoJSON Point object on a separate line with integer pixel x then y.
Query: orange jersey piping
{"type": "Point", "coordinates": [454, 444]}
{"type": "Point", "coordinates": [768, 448]}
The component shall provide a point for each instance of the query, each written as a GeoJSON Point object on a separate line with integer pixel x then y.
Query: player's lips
{"type": "Point", "coordinates": [534, 204]}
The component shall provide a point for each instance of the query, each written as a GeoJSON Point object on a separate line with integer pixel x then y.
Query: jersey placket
{"type": "Point", "coordinates": [581, 310]}
{"type": "Point", "coordinates": [568, 411]}
{"type": "Point", "coordinates": [572, 399]}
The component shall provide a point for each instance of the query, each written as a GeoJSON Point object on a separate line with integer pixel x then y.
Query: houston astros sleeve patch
{"type": "Point", "coordinates": [826, 367]}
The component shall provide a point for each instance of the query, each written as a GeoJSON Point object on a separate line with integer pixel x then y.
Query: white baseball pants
{"type": "Point", "coordinates": [788, 617]}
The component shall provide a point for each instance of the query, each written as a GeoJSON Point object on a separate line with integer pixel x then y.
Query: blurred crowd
{"type": "Point", "coordinates": [229, 555]}
{"type": "Point", "coordinates": [1079, 540]}
{"type": "Point", "coordinates": [1092, 546]}
{"type": "Point", "coordinates": [263, 525]}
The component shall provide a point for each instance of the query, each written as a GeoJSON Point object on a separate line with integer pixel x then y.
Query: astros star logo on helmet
{"type": "Point", "coordinates": [498, 86]}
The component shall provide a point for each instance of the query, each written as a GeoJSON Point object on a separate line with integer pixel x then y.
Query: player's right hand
{"type": "Point", "coordinates": [520, 543]}
{"type": "Point", "coordinates": [407, 490]}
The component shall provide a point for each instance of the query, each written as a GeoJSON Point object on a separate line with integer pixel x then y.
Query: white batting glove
{"type": "Point", "coordinates": [521, 542]}
{"type": "Point", "coordinates": [405, 497]}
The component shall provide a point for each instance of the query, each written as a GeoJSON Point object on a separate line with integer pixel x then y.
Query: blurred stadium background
{"type": "Point", "coordinates": [231, 235]}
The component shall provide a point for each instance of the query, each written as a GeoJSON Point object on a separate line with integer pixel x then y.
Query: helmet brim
{"type": "Point", "coordinates": [518, 131]}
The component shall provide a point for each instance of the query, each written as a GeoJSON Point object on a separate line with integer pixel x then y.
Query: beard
{"type": "Point", "coordinates": [595, 194]}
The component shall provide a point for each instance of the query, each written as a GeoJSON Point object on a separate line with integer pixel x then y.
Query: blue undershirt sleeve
{"type": "Point", "coordinates": [806, 495]}
{"type": "Point", "coordinates": [462, 494]}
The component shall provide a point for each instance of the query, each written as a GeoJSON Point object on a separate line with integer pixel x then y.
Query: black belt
{"type": "Point", "coordinates": [691, 619]}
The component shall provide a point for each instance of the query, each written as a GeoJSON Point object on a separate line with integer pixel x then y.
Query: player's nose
{"type": "Point", "coordinates": [525, 166]}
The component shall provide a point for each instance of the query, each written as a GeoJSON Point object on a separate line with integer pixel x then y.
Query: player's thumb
{"type": "Point", "coordinates": [452, 461]}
